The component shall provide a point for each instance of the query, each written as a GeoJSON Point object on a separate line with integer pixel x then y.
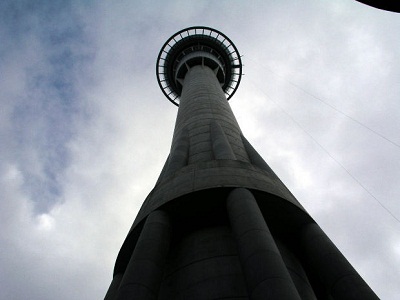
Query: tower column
{"type": "Point", "coordinates": [335, 272]}
{"type": "Point", "coordinates": [143, 275]}
{"type": "Point", "coordinates": [113, 289]}
{"type": "Point", "coordinates": [263, 267]}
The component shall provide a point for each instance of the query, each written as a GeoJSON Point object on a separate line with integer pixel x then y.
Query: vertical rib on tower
{"type": "Point", "coordinates": [219, 224]}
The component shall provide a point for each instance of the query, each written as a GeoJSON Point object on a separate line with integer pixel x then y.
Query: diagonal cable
{"type": "Point", "coordinates": [330, 155]}
{"type": "Point", "coordinates": [334, 108]}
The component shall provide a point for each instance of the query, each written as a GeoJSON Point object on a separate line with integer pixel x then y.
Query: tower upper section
{"type": "Point", "coordinates": [198, 46]}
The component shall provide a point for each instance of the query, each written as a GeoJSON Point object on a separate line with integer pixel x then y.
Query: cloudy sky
{"type": "Point", "coordinates": [85, 130]}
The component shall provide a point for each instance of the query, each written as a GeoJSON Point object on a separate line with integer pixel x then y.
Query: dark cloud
{"type": "Point", "coordinates": [48, 43]}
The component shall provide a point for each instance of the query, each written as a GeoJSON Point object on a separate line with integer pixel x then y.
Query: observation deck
{"type": "Point", "coordinates": [198, 46]}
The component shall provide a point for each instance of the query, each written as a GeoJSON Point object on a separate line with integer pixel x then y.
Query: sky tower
{"type": "Point", "coordinates": [219, 224]}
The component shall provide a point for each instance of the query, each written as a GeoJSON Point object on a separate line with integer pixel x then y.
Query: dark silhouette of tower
{"type": "Point", "coordinates": [219, 224]}
{"type": "Point", "coordinates": [393, 6]}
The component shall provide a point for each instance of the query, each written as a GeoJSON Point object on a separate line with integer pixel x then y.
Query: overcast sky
{"type": "Point", "coordinates": [85, 129]}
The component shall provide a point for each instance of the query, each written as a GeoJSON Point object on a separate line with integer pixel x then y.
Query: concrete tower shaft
{"type": "Point", "coordinates": [204, 115]}
{"type": "Point", "coordinates": [219, 224]}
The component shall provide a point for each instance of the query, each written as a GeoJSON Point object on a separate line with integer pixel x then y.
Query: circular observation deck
{"type": "Point", "coordinates": [197, 46]}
